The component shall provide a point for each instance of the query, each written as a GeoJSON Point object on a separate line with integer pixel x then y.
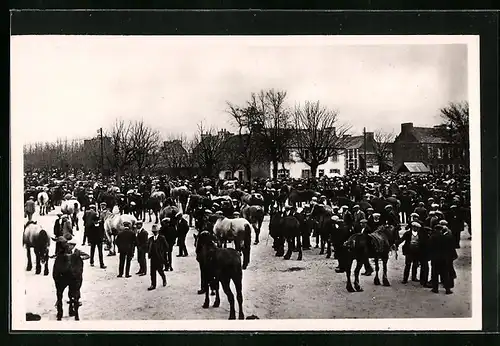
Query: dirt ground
{"type": "Point", "coordinates": [272, 289]}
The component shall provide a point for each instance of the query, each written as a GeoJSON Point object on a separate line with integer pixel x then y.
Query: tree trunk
{"type": "Point", "coordinates": [248, 170]}
{"type": "Point", "coordinates": [314, 168]}
{"type": "Point", "coordinates": [119, 177]}
{"type": "Point", "coordinates": [275, 169]}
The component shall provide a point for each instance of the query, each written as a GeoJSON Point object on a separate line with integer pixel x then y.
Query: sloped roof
{"type": "Point", "coordinates": [414, 167]}
{"type": "Point", "coordinates": [429, 135]}
{"type": "Point", "coordinates": [354, 142]}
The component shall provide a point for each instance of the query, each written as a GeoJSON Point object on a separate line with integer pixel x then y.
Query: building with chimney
{"type": "Point", "coordinates": [429, 146]}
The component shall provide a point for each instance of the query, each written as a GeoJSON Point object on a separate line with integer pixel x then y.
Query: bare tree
{"type": "Point", "coordinates": [145, 143]}
{"type": "Point", "coordinates": [382, 148]}
{"type": "Point", "coordinates": [274, 118]}
{"type": "Point", "coordinates": [174, 151]}
{"type": "Point", "coordinates": [122, 155]}
{"type": "Point", "coordinates": [208, 150]}
{"type": "Point", "coordinates": [456, 120]}
{"type": "Point", "coordinates": [318, 134]}
{"type": "Point", "coordinates": [249, 124]}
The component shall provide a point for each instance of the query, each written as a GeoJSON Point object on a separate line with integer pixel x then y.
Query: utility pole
{"type": "Point", "coordinates": [102, 152]}
{"type": "Point", "coordinates": [364, 148]}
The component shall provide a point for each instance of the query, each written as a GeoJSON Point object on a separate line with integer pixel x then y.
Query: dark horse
{"type": "Point", "coordinates": [300, 196]}
{"type": "Point", "coordinates": [34, 236]}
{"type": "Point", "coordinates": [220, 265]}
{"type": "Point", "coordinates": [68, 272]}
{"type": "Point", "coordinates": [285, 228]}
{"type": "Point", "coordinates": [362, 247]}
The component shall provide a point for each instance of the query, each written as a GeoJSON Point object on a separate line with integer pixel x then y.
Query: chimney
{"type": "Point", "coordinates": [369, 137]}
{"type": "Point", "coordinates": [406, 128]}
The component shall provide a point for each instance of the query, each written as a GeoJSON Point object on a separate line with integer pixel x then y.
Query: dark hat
{"type": "Point", "coordinates": [154, 228]}
{"type": "Point", "coordinates": [416, 224]}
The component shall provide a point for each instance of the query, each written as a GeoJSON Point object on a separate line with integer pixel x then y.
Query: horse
{"type": "Point", "coordinates": [361, 248]}
{"type": "Point", "coordinates": [71, 207]}
{"type": "Point", "coordinates": [68, 272]}
{"type": "Point", "coordinates": [252, 199]}
{"type": "Point", "coordinates": [153, 206]}
{"type": "Point", "coordinates": [322, 214]}
{"type": "Point", "coordinates": [169, 211]}
{"type": "Point", "coordinates": [43, 201]}
{"type": "Point", "coordinates": [113, 224]}
{"type": "Point", "coordinates": [238, 230]}
{"type": "Point", "coordinates": [220, 265]}
{"type": "Point", "coordinates": [180, 194]}
{"type": "Point", "coordinates": [285, 228]}
{"type": "Point", "coordinates": [255, 215]}
{"type": "Point", "coordinates": [34, 236]}
{"type": "Point", "coordinates": [299, 196]}
{"type": "Point", "coordinates": [160, 196]}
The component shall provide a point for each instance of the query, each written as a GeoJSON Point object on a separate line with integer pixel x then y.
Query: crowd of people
{"type": "Point", "coordinates": [432, 209]}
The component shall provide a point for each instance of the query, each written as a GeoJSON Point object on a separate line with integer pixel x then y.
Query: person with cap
{"type": "Point", "coordinates": [374, 221]}
{"type": "Point", "coordinates": [358, 216]}
{"type": "Point", "coordinates": [347, 217]}
{"type": "Point", "coordinates": [441, 252]}
{"type": "Point", "coordinates": [169, 231]}
{"type": "Point", "coordinates": [182, 231]}
{"type": "Point", "coordinates": [341, 253]}
{"type": "Point", "coordinates": [227, 209]}
{"type": "Point", "coordinates": [95, 234]}
{"type": "Point", "coordinates": [29, 208]}
{"type": "Point", "coordinates": [411, 250]}
{"type": "Point", "coordinates": [88, 218]}
{"type": "Point", "coordinates": [142, 247]}
{"type": "Point", "coordinates": [199, 217]}
{"type": "Point", "coordinates": [125, 242]}
{"type": "Point", "coordinates": [390, 216]}
{"type": "Point", "coordinates": [157, 248]}
{"type": "Point", "coordinates": [365, 230]}
{"type": "Point", "coordinates": [421, 211]}
{"type": "Point", "coordinates": [456, 223]}
{"type": "Point", "coordinates": [432, 220]}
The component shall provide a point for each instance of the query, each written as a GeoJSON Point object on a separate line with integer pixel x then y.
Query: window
{"type": "Point", "coordinates": [335, 171]}
{"type": "Point", "coordinates": [306, 154]}
{"type": "Point", "coordinates": [283, 173]}
{"type": "Point", "coordinates": [429, 152]}
{"type": "Point", "coordinates": [321, 173]}
{"type": "Point", "coordinates": [228, 175]}
{"type": "Point", "coordinates": [306, 173]}
{"type": "Point", "coordinates": [351, 166]}
{"type": "Point", "coordinates": [334, 157]}
{"type": "Point", "coordinates": [439, 153]}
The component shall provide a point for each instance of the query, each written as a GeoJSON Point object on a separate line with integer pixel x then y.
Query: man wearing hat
{"type": "Point", "coordinates": [157, 248]}
{"type": "Point", "coordinates": [88, 218]}
{"type": "Point", "coordinates": [29, 208]}
{"type": "Point", "coordinates": [391, 217]}
{"type": "Point", "coordinates": [374, 221]}
{"type": "Point", "coordinates": [169, 231]}
{"type": "Point", "coordinates": [95, 234]}
{"type": "Point", "coordinates": [347, 217]}
{"type": "Point", "coordinates": [456, 223]}
{"type": "Point", "coordinates": [358, 216]}
{"type": "Point", "coordinates": [58, 225]}
{"type": "Point", "coordinates": [421, 211]}
{"type": "Point", "coordinates": [442, 252]}
{"type": "Point", "coordinates": [365, 230]}
{"type": "Point", "coordinates": [182, 231]}
{"type": "Point", "coordinates": [125, 242]}
{"type": "Point", "coordinates": [142, 247]}
{"type": "Point", "coordinates": [411, 250]}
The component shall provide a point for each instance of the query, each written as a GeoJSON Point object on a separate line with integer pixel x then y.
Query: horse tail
{"type": "Point", "coordinates": [247, 244]}
{"type": "Point", "coordinates": [43, 239]}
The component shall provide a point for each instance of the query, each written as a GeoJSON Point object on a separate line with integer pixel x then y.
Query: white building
{"type": "Point", "coordinates": [296, 168]}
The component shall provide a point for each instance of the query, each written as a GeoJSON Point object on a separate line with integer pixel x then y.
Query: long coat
{"type": "Point", "coordinates": [142, 240]}
{"type": "Point", "coordinates": [29, 207]}
{"type": "Point", "coordinates": [95, 234]}
{"type": "Point", "coordinates": [126, 242]}
{"type": "Point", "coordinates": [157, 249]}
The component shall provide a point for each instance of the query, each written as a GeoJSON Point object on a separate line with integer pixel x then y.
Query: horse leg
{"type": "Point", "coordinates": [28, 255]}
{"type": "Point", "coordinates": [246, 257]}
{"type": "Point", "coordinates": [38, 266]}
{"type": "Point", "coordinates": [385, 281]}
{"type": "Point", "coordinates": [357, 287]}
{"type": "Point", "coordinates": [239, 296]}
{"type": "Point", "coordinates": [156, 216]}
{"type": "Point", "coordinates": [230, 297]}
{"type": "Point", "coordinates": [322, 240]}
{"type": "Point", "coordinates": [75, 300]}
{"type": "Point", "coordinates": [149, 213]}
{"type": "Point", "coordinates": [299, 245]}
{"type": "Point", "coordinates": [205, 286]}
{"type": "Point", "coordinates": [288, 254]}
{"type": "Point", "coordinates": [376, 281]}
{"type": "Point", "coordinates": [217, 297]}
{"type": "Point", "coordinates": [46, 267]}
{"type": "Point", "coordinates": [348, 275]}
{"type": "Point", "coordinates": [59, 303]}
{"type": "Point", "coordinates": [328, 248]}
{"type": "Point", "coordinates": [257, 232]}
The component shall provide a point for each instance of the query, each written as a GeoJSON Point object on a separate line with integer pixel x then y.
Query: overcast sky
{"type": "Point", "coordinates": [69, 86]}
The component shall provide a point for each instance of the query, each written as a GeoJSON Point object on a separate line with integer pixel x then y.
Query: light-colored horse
{"type": "Point", "coordinates": [71, 207]}
{"type": "Point", "coordinates": [239, 231]}
{"type": "Point", "coordinates": [160, 196]}
{"type": "Point", "coordinates": [43, 201]}
{"type": "Point", "coordinates": [255, 215]}
{"type": "Point", "coordinates": [34, 236]}
{"type": "Point", "coordinates": [113, 224]}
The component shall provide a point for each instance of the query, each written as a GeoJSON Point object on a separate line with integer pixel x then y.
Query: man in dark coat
{"type": "Point", "coordinates": [58, 226]}
{"type": "Point", "coordinates": [142, 248]}
{"type": "Point", "coordinates": [442, 252]}
{"type": "Point", "coordinates": [456, 224]}
{"type": "Point", "coordinates": [157, 248]}
{"type": "Point", "coordinates": [95, 234]}
{"type": "Point", "coordinates": [421, 211]}
{"type": "Point", "coordinates": [182, 231]}
{"type": "Point", "coordinates": [411, 250]}
{"type": "Point", "coordinates": [29, 208]}
{"type": "Point", "coordinates": [169, 231]}
{"type": "Point", "coordinates": [125, 242]}
{"type": "Point", "coordinates": [88, 218]}
{"type": "Point", "coordinates": [365, 230]}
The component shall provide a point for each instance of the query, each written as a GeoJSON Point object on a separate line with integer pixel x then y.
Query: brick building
{"type": "Point", "coordinates": [429, 146]}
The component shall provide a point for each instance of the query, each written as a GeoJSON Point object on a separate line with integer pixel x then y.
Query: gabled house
{"type": "Point", "coordinates": [355, 154]}
{"type": "Point", "coordinates": [428, 145]}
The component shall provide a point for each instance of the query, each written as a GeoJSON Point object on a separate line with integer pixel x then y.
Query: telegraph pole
{"type": "Point", "coordinates": [364, 148]}
{"type": "Point", "coordinates": [102, 152]}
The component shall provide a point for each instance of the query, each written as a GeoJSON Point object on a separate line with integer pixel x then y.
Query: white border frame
{"type": "Point", "coordinates": [18, 322]}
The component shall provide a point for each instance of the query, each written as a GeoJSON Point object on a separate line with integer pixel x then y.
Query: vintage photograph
{"type": "Point", "coordinates": [170, 183]}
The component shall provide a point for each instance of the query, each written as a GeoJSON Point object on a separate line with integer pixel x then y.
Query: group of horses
{"type": "Point", "coordinates": [218, 263]}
